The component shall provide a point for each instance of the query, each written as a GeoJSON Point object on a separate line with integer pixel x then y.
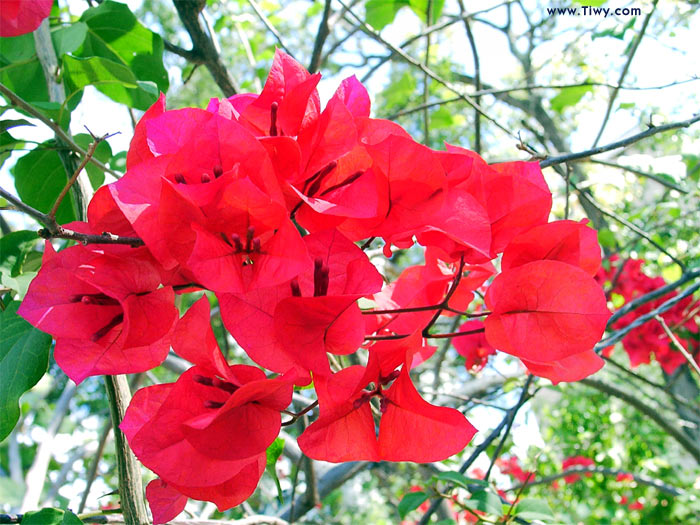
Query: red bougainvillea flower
{"type": "Point", "coordinates": [514, 194]}
{"type": "Point", "coordinates": [545, 311]}
{"type": "Point", "coordinates": [106, 311]}
{"type": "Point", "coordinates": [511, 466]}
{"type": "Point", "coordinates": [636, 505]}
{"type": "Point", "coordinates": [572, 368]}
{"type": "Point", "coordinates": [410, 429]}
{"type": "Point", "coordinates": [566, 241]}
{"type": "Point", "coordinates": [624, 476]}
{"type": "Point", "coordinates": [206, 434]}
{"type": "Point", "coordinates": [165, 502]}
{"type": "Point", "coordinates": [295, 324]}
{"type": "Point", "coordinates": [18, 17]}
{"type": "Point", "coordinates": [574, 461]}
{"type": "Point", "coordinates": [474, 348]}
{"type": "Point", "coordinates": [627, 281]}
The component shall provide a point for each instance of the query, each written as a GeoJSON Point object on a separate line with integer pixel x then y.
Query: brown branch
{"type": "Point", "coordinates": [477, 76]}
{"type": "Point", "coordinates": [17, 101]}
{"type": "Point", "coordinates": [321, 35]}
{"type": "Point", "coordinates": [203, 44]}
{"type": "Point", "coordinates": [568, 157]}
{"type": "Point", "coordinates": [54, 230]}
{"type": "Point", "coordinates": [678, 345]}
{"type": "Point", "coordinates": [191, 55]}
{"type": "Point", "coordinates": [671, 429]}
{"type": "Point", "coordinates": [90, 152]}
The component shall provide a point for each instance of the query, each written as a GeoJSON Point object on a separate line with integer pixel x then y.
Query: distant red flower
{"type": "Point", "coordinates": [624, 476]}
{"type": "Point", "coordinates": [18, 17]}
{"type": "Point", "coordinates": [636, 505]}
{"type": "Point", "coordinates": [574, 461]}
{"type": "Point", "coordinates": [512, 467]}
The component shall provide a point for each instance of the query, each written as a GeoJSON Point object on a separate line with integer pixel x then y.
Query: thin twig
{"type": "Point", "coordinates": [625, 69]}
{"type": "Point", "coordinates": [90, 152]}
{"type": "Point", "coordinates": [678, 344]}
{"type": "Point", "coordinates": [644, 174]}
{"type": "Point", "coordinates": [17, 101]}
{"type": "Point", "coordinates": [266, 22]}
{"type": "Point", "coordinates": [53, 230]}
{"type": "Point", "coordinates": [566, 157]}
{"type": "Point", "coordinates": [448, 85]}
{"type": "Point", "coordinates": [622, 332]}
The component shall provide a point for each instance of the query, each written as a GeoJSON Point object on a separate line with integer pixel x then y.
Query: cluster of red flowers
{"type": "Point", "coordinates": [264, 200]}
{"type": "Point", "coordinates": [627, 280]}
{"type": "Point", "coordinates": [512, 467]}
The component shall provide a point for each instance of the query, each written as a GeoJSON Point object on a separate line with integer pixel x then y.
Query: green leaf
{"type": "Point", "coordinates": [485, 501]}
{"type": "Point", "coordinates": [16, 48]}
{"type": "Point", "coordinates": [594, 3]}
{"type": "Point", "coordinates": [24, 359]}
{"type": "Point", "coordinates": [14, 248]}
{"type": "Point", "coordinates": [39, 179]}
{"type": "Point", "coordinates": [13, 123]}
{"type": "Point", "coordinates": [569, 97]}
{"type": "Point", "coordinates": [420, 7]}
{"type": "Point", "coordinates": [115, 80]}
{"type": "Point", "coordinates": [533, 509]}
{"type": "Point", "coordinates": [381, 13]}
{"type": "Point", "coordinates": [103, 153]}
{"type": "Point", "coordinates": [26, 79]}
{"type": "Point", "coordinates": [460, 479]}
{"type": "Point", "coordinates": [411, 501]}
{"type": "Point", "coordinates": [399, 92]}
{"type": "Point", "coordinates": [274, 451]}
{"type": "Point", "coordinates": [614, 32]}
{"type": "Point", "coordinates": [692, 166]}
{"type": "Point", "coordinates": [442, 118]}
{"type": "Point", "coordinates": [68, 38]}
{"type": "Point", "coordinates": [606, 238]}
{"type": "Point", "coordinates": [114, 33]}
{"type": "Point", "coordinates": [51, 517]}
{"type": "Point", "coordinates": [627, 105]}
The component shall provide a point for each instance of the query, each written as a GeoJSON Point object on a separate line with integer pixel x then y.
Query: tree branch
{"type": "Point", "coordinates": [203, 44]}
{"type": "Point", "coordinates": [130, 489]}
{"type": "Point", "coordinates": [641, 173]}
{"type": "Point", "coordinates": [321, 35]}
{"type": "Point", "coordinates": [54, 230]}
{"type": "Point", "coordinates": [625, 69]}
{"type": "Point", "coordinates": [568, 157]}
{"type": "Point", "coordinates": [671, 429]}
{"type": "Point", "coordinates": [642, 480]}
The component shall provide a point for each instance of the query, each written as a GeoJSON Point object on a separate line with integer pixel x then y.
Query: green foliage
{"type": "Point", "coordinates": [533, 509]}
{"type": "Point", "coordinates": [51, 517]}
{"type": "Point", "coordinates": [115, 35]}
{"type": "Point", "coordinates": [569, 96]}
{"type": "Point", "coordinates": [486, 501]}
{"type": "Point", "coordinates": [381, 13]}
{"type": "Point", "coordinates": [24, 354]}
{"type": "Point", "coordinates": [274, 451]}
{"type": "Point", "coordinates": [39, 179]}
{"type": "Point", "coordinates": [411, 501]}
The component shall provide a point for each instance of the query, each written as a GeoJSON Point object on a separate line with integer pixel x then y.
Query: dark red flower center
{"type": "Point", "coordinates": [95, 298]}
{"type": "Point", "coordinates": [116, 321]}
{"type": "Point", "coordinates": [215, 382]}
{"type": "Point", "coordinates": [378, 391]}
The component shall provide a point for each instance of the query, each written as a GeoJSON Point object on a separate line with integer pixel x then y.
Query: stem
{"type": "Point", "coordinates": [678, 345]}
{"type": "Point", "coordinates": [130, 488]}
{"type": "Point", "coordinates": [71, 181]}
